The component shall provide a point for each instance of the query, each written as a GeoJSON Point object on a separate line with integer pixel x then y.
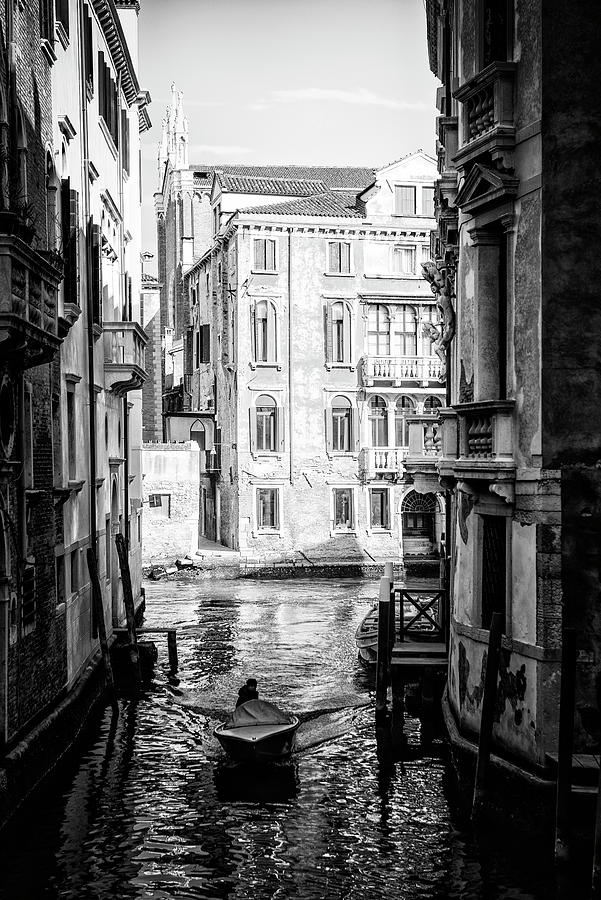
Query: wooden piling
{"type": "Point", "coordinates": [172, 649]}
{"type": "Point", "coordinates": [128, 602]}
{"type": "Point", "coordinates": [565, 745]}
{"type": "Point", "coordinates": [488, 712]}
{"type": "Point", "coordinates": [100, 622]}
{"type": "Point", "coordinates": [389, 573]}
{"type": "Point", "coordinates": [382, 664]}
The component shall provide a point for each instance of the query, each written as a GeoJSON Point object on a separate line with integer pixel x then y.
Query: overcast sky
{"type": "Point", "coordinates": [331, 82]}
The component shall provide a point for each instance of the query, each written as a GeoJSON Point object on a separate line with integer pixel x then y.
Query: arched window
{"type": "Point", "coordinates": [198, 434]}
{"type": "Point", "coordinates": [404, 407]}
{"type": "Point", "coordinates": [429, 317]}
{"type": "Point", "coordinates": [264, 332]}
{"type": "Point", "coordinates": [341, 424]}
{"type": "Point", "coordinates": [338, 337]}
{"type": "Point", "coordinates": [338, 332]}
{"type": "Point", "coordinates": [418, 515]}
{"type": "Point", "coordinates": [378, 417]}
{"type": "Point", "coordinates": [266, 424]}
{"type": "Point", "coordinates": [405, 337]}
{"type": "Point", "coordinates": [378, 330]}
{"type": "Point", "coordinates": [432, 405]}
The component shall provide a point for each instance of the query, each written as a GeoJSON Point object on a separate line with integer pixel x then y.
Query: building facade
{"type": "Point", "coordinates": [517, 458]}
{"type": "Point", "coordinates": [309, 351]}
{"type": "Point", "coordinates": [71, 347]}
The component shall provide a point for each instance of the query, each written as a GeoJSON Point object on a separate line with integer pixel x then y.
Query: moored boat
{"type": "Point", "coordinates": [366, 636]}
{"type": "Point", "coordinates": [257, 731]}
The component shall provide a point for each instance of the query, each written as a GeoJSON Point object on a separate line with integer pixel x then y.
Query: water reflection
{"type": "Point", "coordinates": [153, 808]}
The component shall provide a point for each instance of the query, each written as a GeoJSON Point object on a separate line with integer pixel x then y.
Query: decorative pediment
{"type": "Point", "coordinates": [484, 186]}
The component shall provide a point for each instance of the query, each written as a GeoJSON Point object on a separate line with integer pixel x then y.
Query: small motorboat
{"type": "Point", "coordinates": [257, 731]}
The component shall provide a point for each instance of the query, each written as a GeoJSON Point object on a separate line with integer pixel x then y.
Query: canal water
{"type": "Point", "coordinates": [151, 808]}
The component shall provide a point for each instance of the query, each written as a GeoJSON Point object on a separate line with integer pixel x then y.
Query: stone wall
{"type": "Point", "coordinates": [171, 470]}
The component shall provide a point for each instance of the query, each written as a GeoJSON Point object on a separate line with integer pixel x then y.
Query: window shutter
{"type": "Point", "coordinates": [346, 331]}
{"type": "Point", "coordinates": [270, 254]}
{"type": "Point", "coordinates": [253, 332]}
{"type": "Point", "coordinates": [332, 257]}
{"type": "Point", "coordinates": [259, 254]}
{"type": "Point", "coordinates": [206, 343]}
{"type": "Point", "coordinates": [279, 429]}
{"type": "Point", "coordinates": [329, 336]}
{"type": "Point", "coordinates": [345, 258]}
{"type": "Point", "coordinates": [96, 272]}
{"type": "Point", "coordinates": [328, 429]}
{"type": "Point", "coordinates": [272, 346]}
{"type": "Point", "coordinates": [252, 413]}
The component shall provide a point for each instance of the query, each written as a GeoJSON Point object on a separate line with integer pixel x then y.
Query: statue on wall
{"type": "Point", "coordinates": [441, 284]}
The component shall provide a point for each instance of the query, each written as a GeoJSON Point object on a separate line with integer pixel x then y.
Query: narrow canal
{"type": "Point", "coordinates": [151, 808]}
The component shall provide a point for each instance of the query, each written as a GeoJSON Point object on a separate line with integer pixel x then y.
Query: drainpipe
{"type": "Point", "coordinates": [290, 404]}
{"type": "Point", "coordinates": [89, 301]}
{"type": "Point", "coordinates": [126, 468]}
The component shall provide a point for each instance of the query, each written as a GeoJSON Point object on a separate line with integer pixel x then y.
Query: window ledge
{"type": "Point", "coordinates": [62, 34]}
{"type": "Point", "coordinates": [48, 50]}
{"type": "Point", "coordinates": [108, 137]}
{"type": "Point", "coordinates": [266, 365]}
{"type": "Point", "coordinates": [392, 276]}
{"type": "Point", "coordinates": [342, 532]}
{"type": "Point", "coordinates": [75, 486]}
{"type": "Point", "coordinates": [264, 271]}
{"type": "Point", "coordinates": [262, 532]}
{"type": "Point", "coordinates": [340, 274]}
{"type": "Point", "coordinates": [340, 365]}
{"type": "Point", "coordinates": [266, 454]}
{"type": "Point", "coordinates": [350, 454]}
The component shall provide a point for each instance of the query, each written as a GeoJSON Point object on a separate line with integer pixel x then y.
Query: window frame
{"type": "Point", "coordinates": [385, 491]}
{"type": "Point", "coordinates": [346, 333]}
{"type": "Point", "coordinates": [410, 186]}
{"type": "Point", "coordinates": [338, 529]}
{"type": "Point", "coordinates": [277, 491]}
{"type": "Point", "coordinates": [265, 269]}
{"type": "Point", "coordinates": [378, 332]}
{"type": "Point", "coordinates": [374, 419]}
{"type": "Point", "coordinates": [339, 271]}
{"type": "Point", "coordinates": [278, 426]}
{"type": "Point", "coordinates": [272, 333]}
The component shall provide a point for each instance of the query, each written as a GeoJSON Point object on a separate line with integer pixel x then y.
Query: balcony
{"type": "Point", "coordinates": [487, 122]}
{"type": "Point", "coordinates": [397, 370]}
{"type": "Point", "coordinates": [485, 441]}
{"type": "Point", "coordinates": [124, 356]}
{"type": "Point", "coordinates": [28, 313]}
{"type": "Point", "coordinates": [383, 461]}
{"type": "Point", "coordinates": [425, 446]}
{"type": "Point", "coordinates": [210, 460]}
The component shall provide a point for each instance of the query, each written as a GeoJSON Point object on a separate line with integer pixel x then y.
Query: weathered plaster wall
{"type": "Point", "coordinates": [174, 470]}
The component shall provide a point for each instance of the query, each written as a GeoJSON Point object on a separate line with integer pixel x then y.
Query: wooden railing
{"type": "Point", "coordinates": [421, 614]}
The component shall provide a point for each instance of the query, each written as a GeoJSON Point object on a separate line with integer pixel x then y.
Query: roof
{"type": "Point", "coordinates": [117, 43]}
{"type": "Point", "coordinates": [328, 203]}
{"type": "Point", "coordinates": [432, 34]}
{"type": "Point", "coordinates": [336, 178]}
{"type": "Point", "coordinates": [287, 187]}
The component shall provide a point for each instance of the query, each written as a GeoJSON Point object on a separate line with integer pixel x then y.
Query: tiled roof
{"type": "Point", "coordinates": [287, 187]}
{"type": "Point", "coordinates": [329, 203]}
{"type": "Point", "coordinates": [336, 178]}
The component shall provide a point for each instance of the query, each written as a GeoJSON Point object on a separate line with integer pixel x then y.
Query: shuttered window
{"type": "Point", "coordinates": [343, 509]}
{"type": "Point", "coordinates": [339, 258]}
{"type": "Point", "coordinates": [264, 255]}
{"type": "Point", "coordinates": [62, 14]}
{"type": "Point", "coordinates": [70, 241]}
{"type": "Point", "coordinates": [268, 509]}
{"type": "Point", "coordinates": [404, 200]}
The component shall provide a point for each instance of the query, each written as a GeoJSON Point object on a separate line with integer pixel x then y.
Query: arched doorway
{"type": "Point", "coordinates": [418, 523]}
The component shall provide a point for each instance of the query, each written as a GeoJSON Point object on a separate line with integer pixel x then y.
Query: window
{"type": "Point", "coordinates": [378, 330]}
{"type": "Point", "coordinates": [204, 344]}
{"type": "Point", "coordinates": [495, 31]}
{"type": "Point", "coordinates": [341, 424]}
{"type": "Point", "coordinates": [264, 255]}
{"type": "Point", "coordinates": [107, 547]}
{"type": "Point", "coordinates": [74, 567]}
{"type": "Point", "coordinates": [418, 512]}
{"type": "Point", "coordinates": [432, 405]}
{"type": "Point", "coordinates": [404, 200]}
{"type": "Point", "coordinates": [379, 508]}
{"type": "Point", "coordinates": [47, 20]}
{"type": "Point", "coordinates": [338, 336]}
{"type": "Point", "coordinates": [70, 238]}
{"type": "Point", "coordinates": [28, 442]}
{"type": "Point", "coordinates": [125, 141]}
{"type": "Point", "coordinates": [428, 201]}
{"type": "Point", "coordinates": [216, 218]}
{"type": "Point", "coordinates": [59, 574]}
{"type": "Point", "coordinates": [404, 261]}
{"type": "Point", "coordinates": [108, 104]}
{"type": "Point", "coordinates": [378, 418]}
{"type": "Point", "coordinates": [88, 52]}
{"type": "Point", "coordinates": [266, 424]}
{"type": "Point", "coordinates": [62, 14]}
{"type": "Point", "coordinates": [493, 568]}
{"type": "Point", "coordinates": [405, 333]}
{"type": "Point", "coordinates": [95, 244]}
{"type": "Point", "coordinates": [28, 604]}
{"type": "Point", "coordinates": [264, 335]}
{"type": "Point", "coordinates": [339, 257]}
{"type": "Point", "coordinates": [71, 432]}
{"type": "Point", "coordinates": [343, 509]}
{"type": "Point", "coordinates": [160, 504]}
{"type": "Point", "coordinates": [404, 407]}
{"type": "Point", "coordinates": [268, 509]}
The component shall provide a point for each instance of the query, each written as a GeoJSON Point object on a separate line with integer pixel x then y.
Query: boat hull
{"type": "Point", "coordinates": [250, 744]}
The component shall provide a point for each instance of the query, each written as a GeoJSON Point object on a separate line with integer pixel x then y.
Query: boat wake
{"type": "Point", "coordinates": [326, 727]}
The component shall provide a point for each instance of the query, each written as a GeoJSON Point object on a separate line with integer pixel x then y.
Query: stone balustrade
{"type": "Point", "coordinates": [400, 369]}
{"type": "Point", "coordinates": [124, 356]}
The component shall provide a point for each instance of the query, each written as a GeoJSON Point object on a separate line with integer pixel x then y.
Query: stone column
{"type": "Point", "coordinates": [486, 309]}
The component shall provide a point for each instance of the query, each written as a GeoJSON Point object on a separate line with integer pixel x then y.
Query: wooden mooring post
{"type": "Point", "coordinates": [128, 602]}
{"type": "Point", "coordinates": [172, 650]}
{"type": "Point", "coordinates": [383, 660]}
{"type": "Point", "coordinates": [99, 613]}
{"type": "Point", "coordinates": [565, 745]}
{"type": "Point", "coordinates": [488, 712]}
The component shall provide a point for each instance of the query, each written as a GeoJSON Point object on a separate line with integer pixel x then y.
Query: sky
{"type": "Point", "coordinates": [320, 82]}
